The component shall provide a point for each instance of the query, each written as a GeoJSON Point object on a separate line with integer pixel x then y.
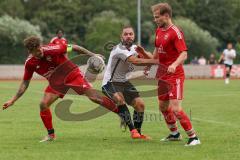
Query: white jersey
{"type": "Point", "coordinates": [229, 55]}
{"type": "Point", "coordinates": [117, 59]}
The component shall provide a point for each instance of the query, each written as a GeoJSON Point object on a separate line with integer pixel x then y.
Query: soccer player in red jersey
{"type": "Point", "coordinates": [59, 38]}
{"type": "Point", "coordinates": [44, 60]}
{"type": "Point", "coordinates": [171, 50]}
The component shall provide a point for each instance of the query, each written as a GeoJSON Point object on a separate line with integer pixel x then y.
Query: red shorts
{"type": "Point", "coordinates": [175, 91]}
{"type": "Point", "coordinates": [76, 81]}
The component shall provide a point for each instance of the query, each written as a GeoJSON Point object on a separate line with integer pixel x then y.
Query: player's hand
{"type": "Point", "coordinates": [171, 68]}
{"type": "Point", "coordinates": [141, 51]}
{"type": "Point", "coordinates": [7, 104]}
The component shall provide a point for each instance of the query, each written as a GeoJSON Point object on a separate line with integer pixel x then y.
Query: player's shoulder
{"type": "Point", "coordinates": [118, 48]}
{"type": "Point", "coordinates": [225, 51]}
{"type": "Point", "coordinates": [30, 61]}
{"type": "Point", "coordinates": [176, 31]}
{"type": "Point", "coordinates": [63, 39]}
{"type": "Point", "coordinates": [134, 46]}
{"type": "Point", "coordinates": [53, 39]}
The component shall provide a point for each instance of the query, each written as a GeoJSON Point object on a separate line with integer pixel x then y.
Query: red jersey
{"type": "Point", "coordinates": [56, 40]}
{"type": "Point", "coordinates": [169, 44]}
{"type": "Point", "coordinates": [53, 56]}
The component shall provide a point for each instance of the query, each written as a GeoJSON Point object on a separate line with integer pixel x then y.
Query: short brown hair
{"type": "Point", "coordinates": [163, 8]}
{"type": "Point", "coordinates": [32, 42]}
{"type": "Point", "coordinates": [127, 26]}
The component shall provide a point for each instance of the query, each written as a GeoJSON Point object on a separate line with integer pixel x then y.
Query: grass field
{"type": "Point", "coordinates": [214, 110]}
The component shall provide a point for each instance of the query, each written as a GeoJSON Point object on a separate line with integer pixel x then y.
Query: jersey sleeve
{"type": "Point", "coordinates": [179, 41]}
{"type": "Point", "coordinates": [56, 49]}
{"type": "Point", "coordinates": [28, 72]}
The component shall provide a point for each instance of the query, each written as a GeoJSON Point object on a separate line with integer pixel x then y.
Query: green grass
{"type": "Point", "coordinates": [215, 116]}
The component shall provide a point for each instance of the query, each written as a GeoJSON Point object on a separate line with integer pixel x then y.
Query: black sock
{"type": "Point", "coordinates": [125, 115]}
{"type": "Point", "coordinates": [138, 118]}
{"type": "Point", "coordinates": [228, 75]}
{"type": "Point", "coordinates": [50, 131]}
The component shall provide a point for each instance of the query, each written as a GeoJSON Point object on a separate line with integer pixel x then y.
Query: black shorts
{"type": "Point", "coordinates": [126, 88]}
{"type": "Point", "coordinates": [228, 66]}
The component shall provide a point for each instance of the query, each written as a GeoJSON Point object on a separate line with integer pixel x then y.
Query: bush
{"type": "Point", "coordinates": [12, 33]}
{"type": "Point", "coordinates": [199, 41]}
{"type": "Point", "coordinates": [103, 29]}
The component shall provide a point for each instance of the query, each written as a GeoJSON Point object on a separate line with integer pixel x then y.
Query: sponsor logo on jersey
{"type": "Point", "coordinates": [161, 50]}
{"type": "Point", "coordinates": [47, 48]}
{"type": "Point", "coordinates": [166, 36]}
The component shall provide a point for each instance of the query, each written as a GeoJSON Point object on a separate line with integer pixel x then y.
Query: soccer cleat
{"type": "Point", "coordinates": [49, 138]}
{"type": "Point", "coordinates": [171, 137]}
{"type": "Point", "coordinates": [227, 81]}
{"type": "Point", "coordinates": [135, 134]}
{"type": "Point", "coordinates": [145, 137]}
{"type": "Point", "coordinates": [193, 141]}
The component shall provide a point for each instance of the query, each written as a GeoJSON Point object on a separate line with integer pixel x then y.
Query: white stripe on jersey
{"type": "Point", "coordinates": [29, 57]}
{"type": "Point", "coordinates": [53, 39]}
{"type": "Point", "coordinates": [179, 34]}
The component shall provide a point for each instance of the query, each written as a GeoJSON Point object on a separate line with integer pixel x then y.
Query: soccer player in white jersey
{"type": "Point", "coordinates": [117, 87]}
{"type": "Point", "coordinates": [228, 56]}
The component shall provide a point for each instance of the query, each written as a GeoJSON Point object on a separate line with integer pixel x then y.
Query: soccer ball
{"type": "Point", "coordinates": [95, 64]}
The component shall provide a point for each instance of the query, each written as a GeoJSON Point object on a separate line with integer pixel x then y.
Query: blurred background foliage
{"type": "Point", "coordinates": [208, 24]}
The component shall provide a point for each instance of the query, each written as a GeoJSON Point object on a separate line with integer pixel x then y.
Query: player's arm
{"type": "Point", "coordinates": [82, 50]}
{"type": "Point", "coordinates": [22, 88]}
{"type": "Point", "coordinates": [141, 61]}
{"type": "Point", "coordinates": [180, 60]}
{"type": "Point", "coordinates": [221, 58]}
{"type": "Point", "coordinates": [143, 53]}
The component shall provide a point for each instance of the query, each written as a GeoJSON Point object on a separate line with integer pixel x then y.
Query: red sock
{"type": "Point", "coordinates": [185, 123]}
{"type": "Point", "coordinates": [109, 104]}
{"type": "Point", "coordinates": [170, 119]}
{"type": "Point", "coordinates": [46, 117]}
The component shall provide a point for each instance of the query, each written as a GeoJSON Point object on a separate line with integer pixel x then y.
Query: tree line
{"type": "Point", "coordinates": [208, 24]}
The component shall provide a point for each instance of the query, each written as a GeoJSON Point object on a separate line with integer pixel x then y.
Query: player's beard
{"type": "Point", "coordinates": [162, 25]}
{"type": "Point", "coordinates": [127, 43]}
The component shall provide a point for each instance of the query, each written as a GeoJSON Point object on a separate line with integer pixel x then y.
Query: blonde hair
{"type": "Point", "coordinates": [162, 8]}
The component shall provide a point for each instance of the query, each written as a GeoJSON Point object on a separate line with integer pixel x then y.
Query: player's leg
{"type": "Point", "coordinates": [81, 86]}
{"type": "Point", "coordinates": [132, 97]}
{"type": "Point", "coordinates": [138, 114]}
{"type": "Point", "coordinates": [228, 71]}
{"type": "Point", "coordinates": [102, 100]}
{"type": "Point", "coordinates": [46, 115]}
{"type": "Point", "coordinates": [184, 121]}
{"type": "Point", "coordinates": [114, 92]}
{"type": "Point", "coordinates": [166, 110]}
{"type": "Point", "coordinates": [170, 119]}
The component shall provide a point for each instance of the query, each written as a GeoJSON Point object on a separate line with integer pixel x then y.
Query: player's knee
{"type": "Point", "coordinates": [163, 107]}
{"type": "Point", "coordinates": [119, 100]}
{"type": "Point", "coordinates": [94, 99]}
{"type": "Point", "coordinates": [176, 108]}
{"type": "Point", "coordinates": [43, 106]}
{"type": "Point", "coordinates": [140, 107]}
